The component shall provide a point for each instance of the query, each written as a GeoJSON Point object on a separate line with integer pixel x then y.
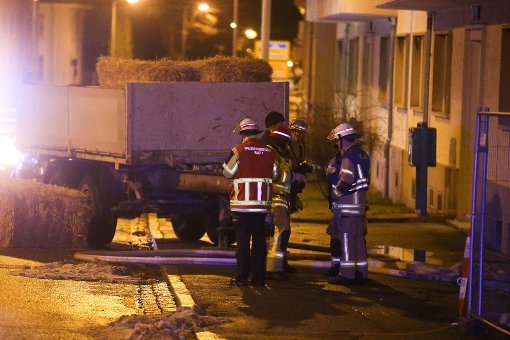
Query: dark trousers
{"type": "Point", "coordinates": [250, 226]}
{"type": "Point", "coordinates": [350, 232]}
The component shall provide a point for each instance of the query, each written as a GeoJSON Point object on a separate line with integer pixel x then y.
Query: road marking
{"type": "Point", "coordinates": [179, 289]}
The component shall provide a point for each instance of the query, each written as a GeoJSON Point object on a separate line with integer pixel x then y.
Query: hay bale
{"type": "Point", "coordinates": [36, 215]}
{"type": "Point", "coordinates": [228, 69]}
{"type": "Point", "coordinates": [113, 73]}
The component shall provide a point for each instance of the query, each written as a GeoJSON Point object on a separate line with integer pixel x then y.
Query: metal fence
{"type": "Point", "coordinates": [489, 275]}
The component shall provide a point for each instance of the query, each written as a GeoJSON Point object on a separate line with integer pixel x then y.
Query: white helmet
{"type": "Point", "coordinates": [247, 124]}
{"type": "Point", "coordinates": [343, 130]}
{"type": "Point", "coordinates": [299, 124]}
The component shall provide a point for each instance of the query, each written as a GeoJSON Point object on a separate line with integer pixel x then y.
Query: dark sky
{"type": "Point", "coordinates": [157, 24]}
{"type": "Point", "coordinates": [157, 27]}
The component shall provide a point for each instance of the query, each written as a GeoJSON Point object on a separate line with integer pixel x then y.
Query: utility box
{"type": "Point", "coordinates": [415, 143]}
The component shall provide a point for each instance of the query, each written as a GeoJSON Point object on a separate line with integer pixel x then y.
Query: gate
{"type": "Point", "coordinates": [488, 296]}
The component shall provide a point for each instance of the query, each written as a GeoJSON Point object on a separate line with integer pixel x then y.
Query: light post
{"type": "Point", "coordinates": [203, 7]}
{"type": "Point", "coordinates": [265, 29]}
{"type": "Point", "coordinates": [233, 25]}
{"type": "Point", "coordinates": [113, 33]}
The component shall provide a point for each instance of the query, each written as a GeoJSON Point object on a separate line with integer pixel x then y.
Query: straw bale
{"type": "Point", "coordinates": [228, 69]}
{"type": "Point", "coordinates": [113, 73]}
{"type": "Point", "coordinates": [36, 215]}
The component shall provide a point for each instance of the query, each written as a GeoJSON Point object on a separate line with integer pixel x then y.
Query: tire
{"type": "Point", "coordinates": [188, 227]}
{"type": "Point", "coordinates": [58, 177]}
{"type": "Point", "coordinates": [211, 224]}
{"type": "Point", "coordinates": [103, 193]}
{"type": "Point", "coordinates": [62, 173]}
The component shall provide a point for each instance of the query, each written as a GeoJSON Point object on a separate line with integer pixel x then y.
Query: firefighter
{"type": "Point", "coordinates": [252, 167]}
{"type": "Point", "coordinates": [273, 119]}
{"type": "Point", "coordinates": [279, 138]}
{"type": "Point", "coordinates": [299, 129]}
{"type": "Point", "coordinates": [332, 175]}
{"type": "Point", "coordinates": [349, 202]}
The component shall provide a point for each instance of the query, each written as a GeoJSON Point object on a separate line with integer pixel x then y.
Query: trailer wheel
{"type": "Point", "coordinates": [101, 220]}
{"type": "Point", "coordinates": [218, 222]}
{"type": "Point", "coordinates": [57, 177]}
{"type": "Point", "coordinates": [212, 224]}
{"type": "Point", "coordinates": [188, 227]}
{"type": "Point", "coordinates": [62, 173]}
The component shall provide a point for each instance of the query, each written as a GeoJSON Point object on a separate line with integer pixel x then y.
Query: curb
{"type": "Point", "coordinates": [462, 226]}
{"type": "Point", "coordinates": [381, 219]}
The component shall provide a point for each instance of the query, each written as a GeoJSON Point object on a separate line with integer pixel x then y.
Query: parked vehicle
{"type": "Point", "coordinates": [151, 147]}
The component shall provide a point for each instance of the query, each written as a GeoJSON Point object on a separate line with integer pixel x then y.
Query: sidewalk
{"type": "Point", "coordinates": [399, 242]}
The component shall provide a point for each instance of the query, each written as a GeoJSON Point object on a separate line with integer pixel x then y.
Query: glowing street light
{"type": "Point", "coordinates": [113, 33]}
{"type": "Point", "coordinates": [203, 7]}
{"type": "Point", "coordinates": [250, 33]}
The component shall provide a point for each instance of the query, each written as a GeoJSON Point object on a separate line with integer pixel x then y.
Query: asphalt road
{"type": "Point", "coordinates": [34, 308]}
{"type": "Point", "coordinates": [305, 307]}
{"type": "Point", "coordinates": [308, 307]}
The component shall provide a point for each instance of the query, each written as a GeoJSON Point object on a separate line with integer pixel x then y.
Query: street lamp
{"type": "Point", "coordinates": [250, 33]}
{"type": "Point", "coordinates": [202, 7]}
{"type": "Point", "coordinates": [113, 33]}
{"type": "Point", "coordinates": [233, 25]}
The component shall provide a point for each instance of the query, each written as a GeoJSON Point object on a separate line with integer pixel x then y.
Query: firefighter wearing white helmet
{"type": "Point", "coordinates": [252, 167]}
{"type": "Point", "coordinates": [299, 129]}
{"type": "Point", "coordinates": [348, 225]}
{"type": "Point", "coordinates": [278, 139]}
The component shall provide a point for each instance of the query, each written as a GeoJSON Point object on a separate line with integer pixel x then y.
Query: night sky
{"type": "Point", "coordinates": [157, 24]}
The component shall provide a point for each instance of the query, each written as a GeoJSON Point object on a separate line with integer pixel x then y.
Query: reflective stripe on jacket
{"type": "Point", "coordinates": [252, 166]}
{"type": "Point", "coordinates": [355, 172]}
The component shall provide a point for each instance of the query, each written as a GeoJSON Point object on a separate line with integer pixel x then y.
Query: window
{"type": "Point", "coordinates": [384, 57]}
{"type": "Point", "coordinates": [504, 79]}
{"type": "Point", "coordinates": [353, 66]}
{"type": "Point", "coordinates": [401, 71]}
{"type": "Point", "coordinates": [417, 71]}
{"type": "Point", "coordinates": [413, 189]}
{"type": "Point", "coordinates": [442, 74]}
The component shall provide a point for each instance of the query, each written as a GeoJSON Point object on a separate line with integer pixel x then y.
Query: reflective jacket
{"type": "Point", "coordinates": [349, 194]}
{"type": "Point", "coordinates": [252, 166]}
{"type": "Point", "coordinates": [282, 181]}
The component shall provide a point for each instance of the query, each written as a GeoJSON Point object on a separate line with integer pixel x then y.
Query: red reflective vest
{"type": "Point", "coordinates": [252, 166]}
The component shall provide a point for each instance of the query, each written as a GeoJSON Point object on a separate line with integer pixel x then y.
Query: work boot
{"type": "Point", "coordinates": [277, 276]}
{"type": "Point", "coordinates": [288, 268]}
{"type": "Point", "coordinates": [238, 283]}
{"type": "Point", "coordinates": [340, 280]}
{"type": "Point", "coordinates": [256, 283]}
{"type": "Point", "coordinates": [359, 278]}
{"type": "Point", "coordinates": [334, 270]}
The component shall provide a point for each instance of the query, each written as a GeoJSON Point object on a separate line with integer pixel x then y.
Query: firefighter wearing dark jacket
{"type": "Point", "coordinates": [349, 203]}
{"type": "Point", "coordinates": [332, 176]}
{"type": "Point", "coordinates": [299, 129]}
{"type": "Point", "coordinates": [279, 138]}
{"type": "Point", "coordinates": [252, 167]}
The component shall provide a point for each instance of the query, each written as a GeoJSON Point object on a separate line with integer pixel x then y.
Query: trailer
{"type": "Point", "coordinates": [155, 147]}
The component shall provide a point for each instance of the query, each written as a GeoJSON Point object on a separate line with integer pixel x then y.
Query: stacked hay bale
{"type": "Point", "coordinates": [113, 73]}
{"type": "Point", "coordinates": [36, 215]}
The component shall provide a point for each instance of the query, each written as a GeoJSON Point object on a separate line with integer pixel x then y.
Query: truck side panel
{"type": "Point", "coordinates": [43, 118]}
{"type": "Point", "coordinates": [98, 121]}
{"type": "Point", "coordinates": [194, 122]}
{"type": "Point", "coordinates": [149, 123]}
{"type": "Point", "coordinates": [73, 121]}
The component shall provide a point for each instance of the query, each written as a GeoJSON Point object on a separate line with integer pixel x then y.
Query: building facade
{"type": "Point", "coordinates": [377, 70]}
